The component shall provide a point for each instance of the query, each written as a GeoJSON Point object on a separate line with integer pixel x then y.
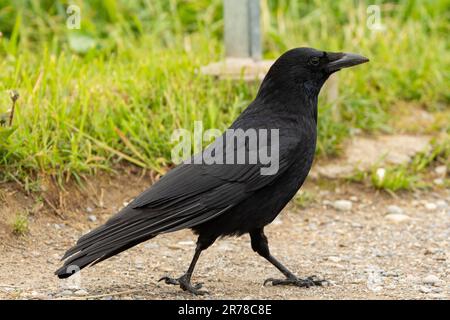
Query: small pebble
{"type": "Point", "coordinates": [431, 280]}
{"type": "Point", "coordinates": [397, 217]}
{"type": "Point", "coordinates": [441, 170]}
{"type": "Point", "coordinates": [394, 210]}
{"type": "Point", "coordinates": [342, 205]}
{"type": "Point", "coordinates": [66, 293]}
{"type": "Point", "coordinates": [139, 266]}
{"type": "Point", "coordinates": [81, 292]}
{"type": "Point", "coordinates": [151, 245]}
{"type": "Point", "coordinates": [353, 198]}
{"type": "Point", "coordinates": [92, 218]}
{"type": "Point", "coordinates": [441, 204]}
{"type": "Point", "coordinates": [391, 274]}
{"type": "Point", "coordinates": [424, 289]}
{"type": "Point", "coordinates": [225, 247]}
{"type": "Point", "coordinates": [381, 172]}
{"type": "Point", "coordinates": [334, 259]}
{"type": "Point", "coordinates": [186, 243]}
{"type": "Point", "coordinates": [89, 209]}
{"type": "Point", "coordinates": [277, 221]}
{"type": "Point", "coordinates": [430, 206]}
{"type": "Point", "coordinates": [438, 181]}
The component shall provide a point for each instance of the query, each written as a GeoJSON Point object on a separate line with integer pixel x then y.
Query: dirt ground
{"type": "Point", "coordinates": [362, 252]}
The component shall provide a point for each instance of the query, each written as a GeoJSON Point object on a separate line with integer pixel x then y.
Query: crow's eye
{"type": "Point", "coordinates": [314, 61]}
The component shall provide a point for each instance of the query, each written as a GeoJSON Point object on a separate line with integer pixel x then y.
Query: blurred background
{"type": "Point", "coordinates": [117, 87]}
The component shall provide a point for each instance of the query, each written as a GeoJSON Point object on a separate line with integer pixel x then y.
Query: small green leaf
{"type": "Point", "coordinates": [5, 133]}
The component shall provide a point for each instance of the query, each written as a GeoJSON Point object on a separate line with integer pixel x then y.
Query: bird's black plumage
{"type": "Point", "coordinates": [217, 200]}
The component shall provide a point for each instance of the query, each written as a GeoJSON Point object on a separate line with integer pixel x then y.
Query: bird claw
{"type": "Point", "coordinates": [185, 284]}
{"type": "Point", "coordinates": [169, 280]}
{"type": "Point", "coordinates": [307, 282]}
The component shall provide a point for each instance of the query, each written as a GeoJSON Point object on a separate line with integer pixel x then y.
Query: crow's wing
{"type": "Point", "coordinates": [215, 185]}
{"type": "Point", "coordinates": [187, 196]}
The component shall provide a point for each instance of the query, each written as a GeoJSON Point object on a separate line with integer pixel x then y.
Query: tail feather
{"type": "Point", "coordinates": [118, 235]}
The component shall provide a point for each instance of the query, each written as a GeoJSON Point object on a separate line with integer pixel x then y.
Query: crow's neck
{"type": "Point", "coordinates": [289, 98]}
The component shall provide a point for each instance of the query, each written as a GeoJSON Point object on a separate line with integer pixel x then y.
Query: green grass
{"type": "Point", "coordinates": [19, 224]}
{"type": "Point", "coordinates": [408, 176]}
{"type": "Point", "coordinates": [395, 179]}
{"type": "Point", "coordinates": [303, 199]}
{"type": "Point", "coordinates": [135, 79]}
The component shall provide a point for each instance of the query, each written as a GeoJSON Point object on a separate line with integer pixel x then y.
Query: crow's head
{"type": "Point", "coordinates": [310, 67]}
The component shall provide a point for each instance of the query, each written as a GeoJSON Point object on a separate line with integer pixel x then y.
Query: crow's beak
{"type": "Point", "coordinates": [344, 60]}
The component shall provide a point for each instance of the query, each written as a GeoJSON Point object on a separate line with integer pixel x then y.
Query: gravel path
{"type": "Point", "coordinates": [369, 246]}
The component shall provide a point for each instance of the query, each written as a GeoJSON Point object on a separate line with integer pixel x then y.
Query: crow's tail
{"type": "Point", "coordinates": [129, 228]}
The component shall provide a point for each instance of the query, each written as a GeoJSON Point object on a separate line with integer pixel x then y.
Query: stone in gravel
{"type": "Point", "coordinates": [354, 199]}
{"type": "Point", "coordinates": [139, 266]}
{"type": "Point", "coordinates": [394, 210]}
{"type": "Point", "coordinates": [277, 221]}
{"type": "Point", "coordinates": [391, 274]}
{"type": "Point", "coordinates": [441, 170]}
{"type": "Point", "coordinates": [92, 218]}
{"type": "Point", "coordinates": [397, 217]}
{"type": "Point", "coordinates": [342, 205]}
{"type": "Point", "coordinates": [431, 279]}
{"type": "Point", "coordinates": [424, 289]}
{"type": "Point", "coordinates": [438, 181]}
{"type": "Point", "coordinates": [441, 204]}
{"type": "Point", "coordinates": [89, 210]}
{"type": "Point", "coordinates": [81, 293]}
{"type": "Point", "coordinates": [357, 281]}
{"type": "Point", "coordinates": [225, 247]}
{"type": "Point", "coordinates": [151, 245]}
{"type": "Point", "coordinates": [381, 172]}
{"type": "Point", "coordinates": [334, 259]}
{"type": "Point", "coordinates": [186, 243]}
{"type": "Point", "coordinates": [66, 293]}
{"type": "Point", "coordinates": [430, 206]}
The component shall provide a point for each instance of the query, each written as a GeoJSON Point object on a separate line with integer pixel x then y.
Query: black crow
{"type": "Point", "coordinates": [230, 199]}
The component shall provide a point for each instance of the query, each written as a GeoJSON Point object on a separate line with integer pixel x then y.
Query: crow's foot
{"type": "Point", "coordinates": [307, 282]}
{"type": "Point", "coordinates": [185, 283]}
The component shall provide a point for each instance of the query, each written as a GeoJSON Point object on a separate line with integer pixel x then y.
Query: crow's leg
{"type": "Point", "coordinates": [185, 280]}
{"type": "Point", "coordinates": [260, 245]}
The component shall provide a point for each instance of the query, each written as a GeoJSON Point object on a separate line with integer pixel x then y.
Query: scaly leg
{"type": "Point", "coordinates": [185, 280]}
{"type": "Point", "coordinates": [260, 245]}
